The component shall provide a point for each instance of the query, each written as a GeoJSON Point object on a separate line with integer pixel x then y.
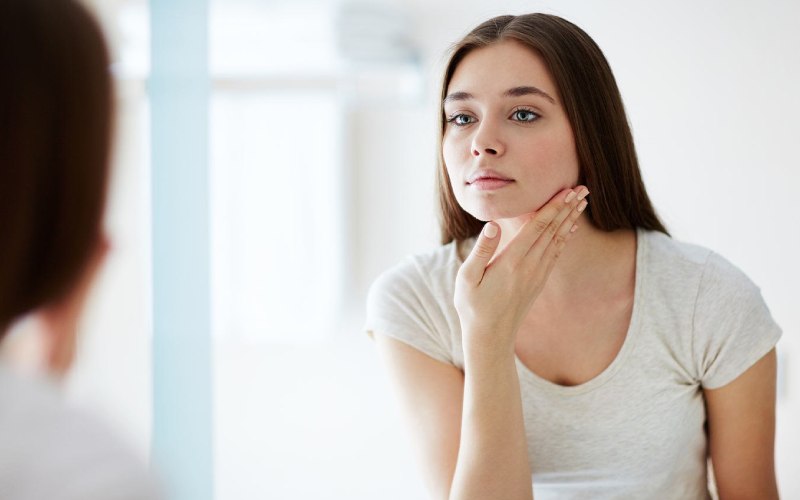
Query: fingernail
{"type": "Point", "coordinates": [490, 230]}
{"type": "Point", "coordinates": [583, 194]}
{"type": "Point", "coordinates": [570, 196]}
{"type": "Point", "coordinates": [582, 206]}
{"type": "Point", "coordinates": [573, 228]}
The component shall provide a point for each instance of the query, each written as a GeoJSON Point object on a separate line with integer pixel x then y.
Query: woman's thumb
{"type": "Point", "coordinates": [475, 264]}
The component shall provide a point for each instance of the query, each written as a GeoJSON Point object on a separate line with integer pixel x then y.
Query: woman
{"type": "Point", "coordinates": [568, 348]}
{"type": "Point", "coordinates": [55, 137]}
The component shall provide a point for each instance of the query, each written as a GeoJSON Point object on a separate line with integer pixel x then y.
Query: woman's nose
{"type": "Point", "coordinates": [487, 141]}
{"type": "Point", "coordinates": [488, 151]}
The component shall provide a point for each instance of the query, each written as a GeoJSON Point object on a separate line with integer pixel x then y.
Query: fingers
{"type": "Point", "coordinates": [557, 232]}
{"type": "Point", "coordinates": [548, 253]}
{"type": "Point", "coordinates": [475, 264]}
{"type": "Point", "coordinates": [543, 235]}
{"type": "Point", "coordinates": [544, 223]}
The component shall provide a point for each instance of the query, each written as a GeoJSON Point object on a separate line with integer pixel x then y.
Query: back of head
{"type": "Point", "coordinates": [592, 102]}
{"type": "Point", "coordinates": [55, 127]}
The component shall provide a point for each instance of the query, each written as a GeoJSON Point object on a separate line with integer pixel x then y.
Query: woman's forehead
{"type": "Point", "coordinates": [492, 70]}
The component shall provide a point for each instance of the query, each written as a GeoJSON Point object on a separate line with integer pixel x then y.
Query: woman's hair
{"type": "Point", "coordinates": [55, 135]}
{"type": "Point", "coordinates": [593, 105]}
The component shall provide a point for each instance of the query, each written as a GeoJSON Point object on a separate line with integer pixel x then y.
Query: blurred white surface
{"type": "Point", "coordinates": [319, 423]}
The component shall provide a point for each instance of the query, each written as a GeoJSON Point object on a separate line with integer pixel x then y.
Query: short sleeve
{"type": "Point", "coordinates": [402, 306]}
{"type": "Point", "coordinates": [733, 327]}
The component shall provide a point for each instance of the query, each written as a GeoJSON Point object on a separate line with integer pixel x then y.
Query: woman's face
{"type": "Point", "coordinates": [508, 145]}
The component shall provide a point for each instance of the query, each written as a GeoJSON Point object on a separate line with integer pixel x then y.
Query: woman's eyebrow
{"type": "Point", "coordinates": [457, 96]}
{"type": "Point", "coordinates": [512, 92]}
{"type": "Point", "coordinates": [528, 90]}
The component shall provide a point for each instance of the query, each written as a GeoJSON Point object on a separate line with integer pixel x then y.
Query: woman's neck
{"type": "Point", "coordinates": [591, 258]}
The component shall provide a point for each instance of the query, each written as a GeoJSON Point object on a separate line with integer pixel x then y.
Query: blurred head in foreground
{"type": "Point", "coordinates": [55, 136]}
{"type": "Point", "coordinates": [55, 130]}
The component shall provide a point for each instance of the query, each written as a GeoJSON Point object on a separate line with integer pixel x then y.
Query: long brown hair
{"type": "Point", "coordinates": [592, 102]}
{"type": "Point", "coordinates": [55, 134]}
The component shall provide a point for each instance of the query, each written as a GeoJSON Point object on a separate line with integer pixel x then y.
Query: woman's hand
{"type": "Point", "coordinates": [493, 295]}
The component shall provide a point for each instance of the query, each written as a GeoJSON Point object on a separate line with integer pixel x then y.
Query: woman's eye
{"type": "Point", "coordinates": [524, 115]}
{"type": "Point", "coordinates": [461, 119]}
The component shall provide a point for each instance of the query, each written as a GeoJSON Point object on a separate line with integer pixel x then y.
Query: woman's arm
{"type": "Point", "coordinates": [493, 456]}
{"type": "Point", "coordinates": [430, 394]}
{"type": "Point", "coordinates": [741, 428]}
{"type": "Point", "coordinates": [490, 459]}
{"type": "Point", "coordinates": [493, 294]}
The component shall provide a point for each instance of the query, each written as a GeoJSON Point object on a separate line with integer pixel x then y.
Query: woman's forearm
{"type": "Point", "coordinates": [493, 451]}
{"type": "Point", "coordinates": [493, 294]}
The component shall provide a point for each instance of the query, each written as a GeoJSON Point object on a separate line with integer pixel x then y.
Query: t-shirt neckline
{"type": "Point", "coordinates": [526, 375]}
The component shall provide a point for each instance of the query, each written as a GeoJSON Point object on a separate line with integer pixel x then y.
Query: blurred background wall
{"type": "Point", "coordinates": [323, 123]}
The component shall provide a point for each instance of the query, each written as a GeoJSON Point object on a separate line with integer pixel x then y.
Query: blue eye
{"type": "Point", "coordinates": [524, 115]}
{"type": "Point", "coordinates": [460, 120]}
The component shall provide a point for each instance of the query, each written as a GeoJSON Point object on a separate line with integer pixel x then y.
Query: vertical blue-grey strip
{"type": "Point", "coordinates": [182, 399]}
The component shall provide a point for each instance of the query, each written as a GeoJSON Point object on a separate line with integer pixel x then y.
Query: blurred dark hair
{"type": "Point", "coordinates": [593, 105]}
{"type": "Point", "coordinates": [55, 135]}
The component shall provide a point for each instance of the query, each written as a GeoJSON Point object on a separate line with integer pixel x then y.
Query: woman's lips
{"type": "Point", "coordinates": [489, 183]}
{"type": "Point", "coordinates": [488, 179]}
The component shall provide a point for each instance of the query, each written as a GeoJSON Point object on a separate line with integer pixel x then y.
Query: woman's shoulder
{"type": "Point", "coordinates": [730, 323]}
{"type": "Point", "coordinates": [51, 449]}
{"type": "Point", "coordinates": [432, 268]}
{"type": "Point", "coordinates": [669, 250]}
{"type": "Point", "coordinates": [683, 262]}
{"type": "Point", "coordinates": [412, 301]}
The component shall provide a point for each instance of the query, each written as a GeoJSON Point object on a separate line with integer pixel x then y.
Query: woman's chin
{"type": "Point", "coordinates": [485, 214]}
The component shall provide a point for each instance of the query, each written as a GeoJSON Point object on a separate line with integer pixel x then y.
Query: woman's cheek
{"type": "Point", "coordinates": [453, 167]}
{"type": "Point", "coordinates": [448, 153]}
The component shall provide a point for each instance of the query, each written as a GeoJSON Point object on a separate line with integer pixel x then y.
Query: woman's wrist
{"type": "Point", "coordinates": [487, 346]}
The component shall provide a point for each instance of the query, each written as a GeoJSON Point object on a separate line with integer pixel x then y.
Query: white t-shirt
{"type": "Point", "coordinates": [636, 430]}
{"type": "Point", "coordinates": [49, 451]}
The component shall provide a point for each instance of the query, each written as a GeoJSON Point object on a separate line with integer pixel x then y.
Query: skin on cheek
{"type": "Point", "coordinates": [561, 169]}
{"type": "Point", "coordinates": [456, 176]}
{"type": "Point", "coordinates": [458, 191]}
